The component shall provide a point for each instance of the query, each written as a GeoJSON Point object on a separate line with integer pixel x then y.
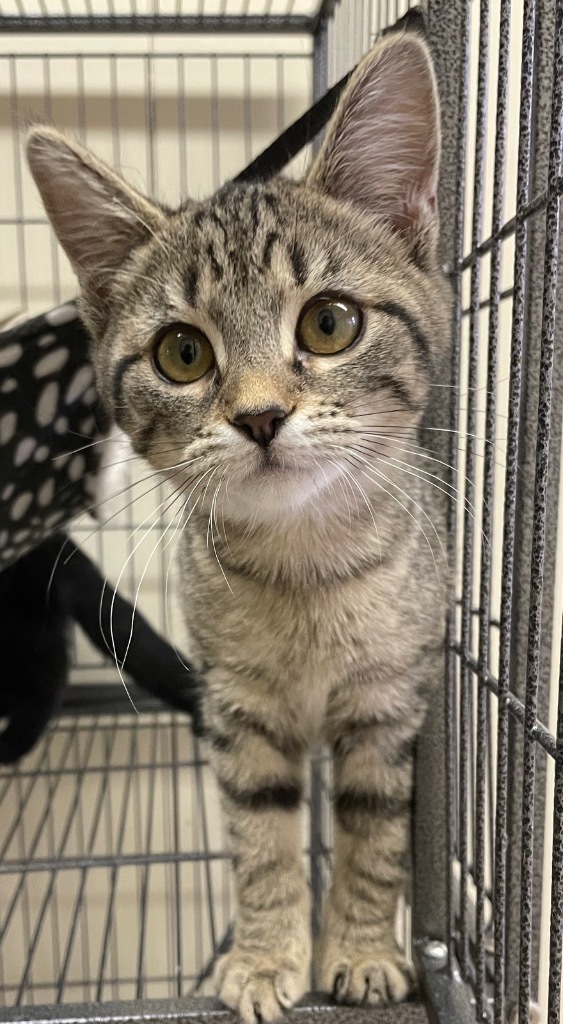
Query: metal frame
{"type": "Point", "coordinates": [521, 688]}
{"type": "Point", "coordinates": [159, 24]}
{"type": "Point", "coordinates": [457, 751]}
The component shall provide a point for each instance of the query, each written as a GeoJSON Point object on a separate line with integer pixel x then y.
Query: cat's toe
{"type": "Point", "coordinates": [259, 988]}
{"type": "Point", "coordinates": [370, 978]}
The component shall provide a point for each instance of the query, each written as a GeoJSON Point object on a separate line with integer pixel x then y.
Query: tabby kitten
{"type": "Point", "coordinates": [272, 350]}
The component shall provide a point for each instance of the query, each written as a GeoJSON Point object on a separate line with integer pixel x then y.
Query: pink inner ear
{"type": "Point", "coordinates": [382, 152]}
{"type": "Point", "coordinates": [98, 218]}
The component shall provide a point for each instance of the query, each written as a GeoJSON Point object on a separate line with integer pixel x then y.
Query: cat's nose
{"type": "Point", "coordinates": [261, 426]}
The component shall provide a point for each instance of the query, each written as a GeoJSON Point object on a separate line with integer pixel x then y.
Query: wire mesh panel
{"type": "Point", "coordinates": [505, 440]}
{"type": "Point", "coordinates": [178, 120]}
{"type": "Point", "coordinates": [115, 878]}
{"type": "Point", "coordinates": [159, 15]}
{"type": "Point", "coordinates": [105, 830]}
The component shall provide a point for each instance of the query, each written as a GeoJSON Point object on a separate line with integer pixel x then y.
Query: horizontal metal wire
{"type": "Point", "coordinates": [535, 206]}
{"type": "Point", "coordinates": [159, 24]}
{"type": "Point", "coordinates": [113, 829]}
{"type": "Point", "coordinates": [126, 55]}
{"type": "Point", "coordinates": [539, 731]}
{"type": "Point", "coordinates": [112, 860]}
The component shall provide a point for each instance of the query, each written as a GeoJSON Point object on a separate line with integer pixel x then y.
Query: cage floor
{"type": "Point", "coordinates": [114, 880]}
{"type": "Point", "coordinates": [184, 1011]}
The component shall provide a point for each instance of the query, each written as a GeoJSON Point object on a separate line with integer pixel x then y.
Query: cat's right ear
{"type": "Point", "coordinates": [97, 217]}
{"type": "Point", "coordinates": [382, 147]}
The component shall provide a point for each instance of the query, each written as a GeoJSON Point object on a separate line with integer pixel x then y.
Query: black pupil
{"type": "Point", "coordinates": [326, 321]}
{"type": "Point", "coordinates": [189, 350]}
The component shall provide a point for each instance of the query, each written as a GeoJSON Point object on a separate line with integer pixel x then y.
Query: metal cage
{"type": "Point", "coordinates": [110, 831]}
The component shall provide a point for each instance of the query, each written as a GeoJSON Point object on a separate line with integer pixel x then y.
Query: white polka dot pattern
{"type": "Point", "coordinates": [61, 425]}
{"type": "Point", "coordinates": [76, 467]}
{"type": "Point", "coordinates": [51, 363]}
{"type": "Point", "coordinates": [46, 493]}
{"type": "Point", "coordinates": [20, 505]}
{"type": "Point", "coordinates": [61, 315]}
{"type": "Point", "coordinates": [7, 427]}
{"type": "Point", "coordinates": [81, 380]}
{"type": "Point", "coordinates": [46, 340]}
{"type": "Point", "coordinates": [46, 408]}
{"type": "Point", "coordinates": [10, 355]}
{"type": "Point", "coordinates": [23, 450]}
{"type": "Point", "coordinates": [47, 404]}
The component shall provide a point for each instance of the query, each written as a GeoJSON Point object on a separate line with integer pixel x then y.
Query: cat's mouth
{"type": "Point", "coordinates": [272, 462]}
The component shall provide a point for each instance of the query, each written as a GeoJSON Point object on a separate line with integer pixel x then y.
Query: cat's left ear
{"type": "Point", "coordinates": [97, 216]}
{"type": "Point", "coordinates": [382, 148]}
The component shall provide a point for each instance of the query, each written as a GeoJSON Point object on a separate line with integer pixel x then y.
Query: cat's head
{"type": "Point", "coordinates": [276, 336]}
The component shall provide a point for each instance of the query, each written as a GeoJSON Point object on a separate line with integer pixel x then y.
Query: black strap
{"type": "Point", "coordinates": [274, 158]}
{"type": "Point", "coordinates": [287, 145]}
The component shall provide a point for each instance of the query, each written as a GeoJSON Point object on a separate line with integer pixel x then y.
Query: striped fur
{"type": "Point", "coordinates": [311, 572]}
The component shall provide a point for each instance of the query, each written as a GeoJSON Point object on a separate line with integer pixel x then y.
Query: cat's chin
{"type": "Point", "coordinates": [277, 489]}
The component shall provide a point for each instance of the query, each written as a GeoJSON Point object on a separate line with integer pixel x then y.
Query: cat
{"type": "Point", "coordinates": [41, 595]}
{"type": "Point", "coordinates": [272, 350]}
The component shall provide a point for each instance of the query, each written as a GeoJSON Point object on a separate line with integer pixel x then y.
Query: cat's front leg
{"type": "Point", "coordinates": [360, 961]}
{"type": "Point", "coordinates": [267, 969]}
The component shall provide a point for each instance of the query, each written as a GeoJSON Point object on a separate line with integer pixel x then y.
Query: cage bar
{"type": "Point", "coordinates": [112, 823]}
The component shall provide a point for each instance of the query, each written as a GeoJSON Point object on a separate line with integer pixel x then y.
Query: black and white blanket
{"type": "Point", "coordinates": [49, 416]}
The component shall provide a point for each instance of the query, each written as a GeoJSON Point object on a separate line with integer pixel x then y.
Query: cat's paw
{"type": "Point", "coordinates": [259, 988]}
{"type": "Point", "coordinates": [381, 976]}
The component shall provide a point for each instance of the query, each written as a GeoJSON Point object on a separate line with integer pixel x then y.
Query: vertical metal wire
{"type": "Point", "coordinates": [150, 117]}
{"type": "Point", "coordinates": [247, 109]}
{"type": "Point", "coordinates": [53, 903]}
{"type": "Point", "coordinates": [206, 847]}
{"type": "Point", "coordinates": [20, 228]}
{"type": "Point", "coordinates": [215, 151]}
{"type": "Point", "coordinates": [79, 911]}
{"type": "Point", "coordinates": [453, 459]}
{"type": "Point", "coordinates": [280, 117]}
{"type": "Point", "coordinates": [556, 918]}
{"type": "Point", "coordinates": [466, 723]}
{"type": "Point", "coordinates": [144, 889]}
{"type": "Point", "coordinates": [510, 493]}
{"type": "Point", "coordinates": [23, 883]}
{"type": "Point", "coordinates": [20, 900]}
{"type": "Point", "coordinates": [182, 128]}
{"type": "Point", "coordinates": [484, 699]}
{"type": "Point", "coordinates": [109, 924]}
{"type": "Point", "coordinates": [56, 857]}
{"type": "Point", "coordinates": [115, 140]}
{"type": "Point", "coordinates": [176, 847]}
{"type": "Point", "coordinates": [540, 515]}
{"type": "Point", "coordinates": [48, 108]}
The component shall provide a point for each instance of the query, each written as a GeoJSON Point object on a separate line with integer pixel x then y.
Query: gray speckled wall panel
{"type": "Point", "coordinates": [445, 19]}
{"type": "Point", "coordinates": [523, 944]}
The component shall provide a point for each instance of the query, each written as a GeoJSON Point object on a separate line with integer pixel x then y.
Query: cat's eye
{"type": "Point", "coordinates": [183, 354]}
{"type": "Point", "coordinates": [329, 325]}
